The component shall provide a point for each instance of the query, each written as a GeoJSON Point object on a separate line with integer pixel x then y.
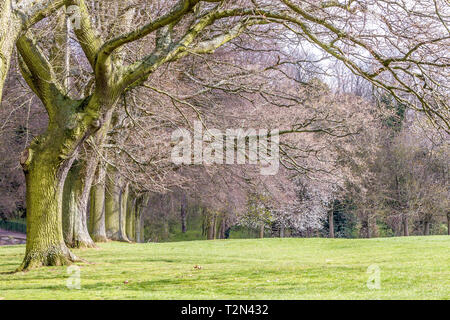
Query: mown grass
{"type": "Point", "coordinates": [411, 268]}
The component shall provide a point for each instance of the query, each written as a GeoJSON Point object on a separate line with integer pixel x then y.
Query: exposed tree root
{"type": "Point", "coordinates": [99, 238]}
{"type": "Point", "coordinates": [80, 244]}
{"type": "Point", "coordinates": [54, 256]}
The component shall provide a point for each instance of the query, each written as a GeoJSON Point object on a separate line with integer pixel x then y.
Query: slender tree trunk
{"type": "Point", "coordinates": [141, 204]}
{"type": "Point", "coordinates": [448, 223]}
{"type": "Point", "coordinates": [112, 205]}
{"type": "Point", "coordinates": [365, 226]}
{"type": "Point", "coordinates": [97, 210]}
{"type": "Point", "coordinates": [426, 227]}
{"type": "Point", "coordinates": [10, 29]}
{"type": "Point", "coordinates": [183, 213]}
{"type": "Point", "coordinates": [69, 204]}
{"type": "Point", "coordinates": [222, 228]}
{"type": "Point", "coordinates": [405, 226]}
{"type": "Point", "coordinates": [205, 221]}
{"type": "Point", "coordinates": [138, 221]}
{"type": "Point", "coordinates": [131, 217]}
{"type": "Point", "coordinates": [123, 212]}
{"type": "Point", "coordinates": [331, 223]}
{"type": "Point", "coordinates": [261, 231]}
{"type": "Point", "coordinates": [215, 226]}
{"type": "Point", "coordinates": [211, 226]}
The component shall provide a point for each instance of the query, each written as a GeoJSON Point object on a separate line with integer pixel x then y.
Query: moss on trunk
{"type": "Point", "coordinates": [131, 218]}
{"type": "Point", "coordinates": [45, 180]}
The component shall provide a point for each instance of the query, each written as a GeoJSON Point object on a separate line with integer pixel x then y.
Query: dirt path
{"type": "Point", "coordinates": [8, 238]}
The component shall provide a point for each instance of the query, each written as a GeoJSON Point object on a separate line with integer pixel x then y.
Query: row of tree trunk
{"type": "Point", "coordinates": [214, 224]}
{"type": "Point", "coordinates": [115, 211]}
{"type": "Point", "coordinates": [404, 225]}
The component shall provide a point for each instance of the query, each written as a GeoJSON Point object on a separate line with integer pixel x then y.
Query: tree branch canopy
{"type": "Point", "coordinates": [40, 70]}
{"type": "Point", "coordinates": [15, 19]}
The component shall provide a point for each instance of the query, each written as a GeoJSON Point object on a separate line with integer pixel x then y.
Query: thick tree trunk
{"type": "Point", "coordinates": [45, 174]}
{"type": "Point", "coordinates": [10, 29]}
{"type": "Point", "coordinates": [76, 196]}
{"type": "Point", "coordinates": [405, 225]}
{"type": "Point", "coordinates": [47, 161]}
{"type": "Point", "coordinates": [113, 205]}
{"type": "Point", "coordinates": [282, 231]}
{"type": "Point", "coordinates": [97, 210]}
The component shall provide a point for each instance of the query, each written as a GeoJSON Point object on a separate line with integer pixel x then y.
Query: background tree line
{"type": "Point", "coordinates": [92, 91]}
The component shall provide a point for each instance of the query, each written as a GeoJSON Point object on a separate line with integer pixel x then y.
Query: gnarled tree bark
{"type": "Point", "coordinates": [45, 180]}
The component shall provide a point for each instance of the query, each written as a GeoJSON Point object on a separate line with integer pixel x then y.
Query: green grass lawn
{"type": "Point", "coordinates": [411, 268]}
